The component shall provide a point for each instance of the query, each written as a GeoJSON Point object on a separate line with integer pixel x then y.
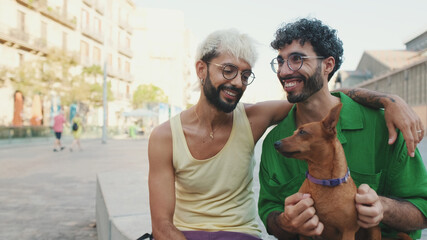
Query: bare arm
{"type": "Point", "coordinates": [402, 215]}
{"type": "Point", "coordinates": [398, 114]}
{"type": "Point", "coordinates": [398, 214]}
{"type": "Point", "coordinates": [161, 183]}
{"type": "Point", "coordinates": [265, 114]}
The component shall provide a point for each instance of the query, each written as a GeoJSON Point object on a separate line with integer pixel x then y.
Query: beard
{"type": "Point", "coordinates": [311, 85]}
{"type": "Point", "coordinates": [212, 95]}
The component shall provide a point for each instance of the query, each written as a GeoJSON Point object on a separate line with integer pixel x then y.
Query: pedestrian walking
{"type": "Point", "coordinates": [58, 127]}
{"type": "Point", "coordinates": [76, 129]}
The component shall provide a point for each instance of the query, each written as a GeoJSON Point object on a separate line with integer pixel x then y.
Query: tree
{"type": "Point", "coordinates": [57, 71]}
{"type": "Point", "coordinates": [146, 93]}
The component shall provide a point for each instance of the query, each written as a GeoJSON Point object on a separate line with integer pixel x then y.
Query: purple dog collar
{"type": "Point", "coordinates": [328, 182]}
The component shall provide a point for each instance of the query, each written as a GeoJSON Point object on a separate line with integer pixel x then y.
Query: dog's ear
{"type": "Point", "coordinates": [331, 120]}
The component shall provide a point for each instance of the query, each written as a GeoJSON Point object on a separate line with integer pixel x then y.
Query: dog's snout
{"type": "Point", "coordinates": [277, 144]}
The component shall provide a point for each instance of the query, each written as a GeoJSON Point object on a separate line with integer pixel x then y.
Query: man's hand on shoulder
{"type": "Point", "coordinates": [400, 115]}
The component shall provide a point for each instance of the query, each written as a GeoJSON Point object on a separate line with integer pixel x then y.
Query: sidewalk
{"type": "Point", "coordinates": [51, 195]}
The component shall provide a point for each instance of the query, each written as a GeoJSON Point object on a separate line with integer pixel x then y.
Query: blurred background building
{"type": "Point", "coordinates": [131, 46]}
{"type": "Point", "coordinates": [401, 72]}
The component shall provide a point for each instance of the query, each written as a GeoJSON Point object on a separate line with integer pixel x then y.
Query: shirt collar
{"type": "Point", "coordinates": [351, 117]}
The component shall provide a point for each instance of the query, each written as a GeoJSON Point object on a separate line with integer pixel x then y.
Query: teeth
{"type": "Point", "coordinates": [290, 84]}
{"type": "Point", "coordinates": [230, 93]}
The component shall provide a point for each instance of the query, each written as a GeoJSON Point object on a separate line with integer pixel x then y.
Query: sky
{"type": "Point", "coordinates": [361, 25]}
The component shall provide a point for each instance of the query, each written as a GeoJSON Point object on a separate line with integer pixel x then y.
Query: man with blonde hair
{"type": "Point", "coordinates": [201, 160]}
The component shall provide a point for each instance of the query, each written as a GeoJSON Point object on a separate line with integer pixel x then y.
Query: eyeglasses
{"type": "Point", "coordinates": [294, 61]}
{"type": "Point", "coordinates": [230, 71]}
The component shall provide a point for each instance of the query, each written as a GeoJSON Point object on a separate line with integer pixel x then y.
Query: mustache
{"type": "Point", "coordinates": [231, 88]}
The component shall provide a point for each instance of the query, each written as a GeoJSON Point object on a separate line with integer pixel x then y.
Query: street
{"type": "Point", "coordinates": [51, 195]}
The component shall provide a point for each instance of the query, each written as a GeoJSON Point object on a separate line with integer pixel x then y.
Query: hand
{"type": "Point", "coordinates": [369, 207]}
{"type": "Point", "coordinates": [400, 115]}
{"type": "Point", "coordinates": [299, 216]}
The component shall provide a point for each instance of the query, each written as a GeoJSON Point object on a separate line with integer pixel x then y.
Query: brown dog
{"type": "Point", "coordinates": [328, 178]}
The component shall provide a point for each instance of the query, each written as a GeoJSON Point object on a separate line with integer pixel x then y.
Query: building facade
{"type": "Point", "coordinates": [164, 57]}
{"type": "Point", "coordinates": [402, 72]}
{"type": "Point", "coordinates": [97, 32]}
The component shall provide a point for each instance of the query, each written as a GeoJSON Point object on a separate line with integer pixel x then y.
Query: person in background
{"type": "Point", "coordinates": [76, 130]}
{"type": "Point", "coordinates": [58, 127]}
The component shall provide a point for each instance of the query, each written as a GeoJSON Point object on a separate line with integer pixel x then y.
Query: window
{"type": "Point", "coordinates": [64, 41]}
{"type": "Point", "coordinates": [84, 52]}
{"type": "Point", "coordinates": [21, 21]}
{"type": "Point", "coordinates": [84, 19]}
{"type": "Point", "coordinates": [97, 55]}
{"type": "Point", "coordinates": [43, 30]}
{"type": "Point", "coordinates": [21, 59]}
{"type": "Point", "coordinates": [127, 67]}
{"type": "Point", "coordinates": [98, 25]}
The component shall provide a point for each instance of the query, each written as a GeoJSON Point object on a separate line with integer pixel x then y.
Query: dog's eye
{"type": "Point", "coordinates": [301, 132]}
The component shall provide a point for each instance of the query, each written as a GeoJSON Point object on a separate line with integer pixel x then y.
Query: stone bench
{"type": "Point", "coordinates": [122, 205]}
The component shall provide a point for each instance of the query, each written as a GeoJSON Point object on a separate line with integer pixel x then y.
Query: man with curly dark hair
{"type": "Point", "coordinates": [392, 182]}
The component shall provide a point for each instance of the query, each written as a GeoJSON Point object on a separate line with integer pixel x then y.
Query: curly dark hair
{"type": "Point", "coordinates": [324, 39]}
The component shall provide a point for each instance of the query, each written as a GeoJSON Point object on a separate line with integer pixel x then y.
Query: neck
{"type": "Point", "coordinates": [211, 119]}
{"type": "Point", "coordinates": [327, 165]}
{"type": "Point", "coordinates": [315, 108]}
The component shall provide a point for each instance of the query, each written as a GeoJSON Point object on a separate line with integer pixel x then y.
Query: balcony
{"type": "Point", "coordinates": [17, 38]}
{"type": "Point", "coordinates": [94, 35]}
{"type": "Point", "coordinates": [123, 24]}
{"type": "Point", "coordinates": [88, 2]}
{"type": "Point", "coordinates": [125, 51]}
{"type": "Point", "coordinates": [99, 7]}
{"type": "Point", "coordinates": [19, 35]}
{"type": "Point", "coordinates": [40, 43]}
{"type": "Point", "coordinates": [57, 14]}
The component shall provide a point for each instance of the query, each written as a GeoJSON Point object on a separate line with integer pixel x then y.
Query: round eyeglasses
{"type": "Point", "coordinates": [294, 61]}
{"type": "Point", "coordinates": [230, 71]}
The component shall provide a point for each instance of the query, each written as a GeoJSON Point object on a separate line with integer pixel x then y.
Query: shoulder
{"type": "Point", "coordinates": [162, 132]}
{"type": "Point", "coordinates": [160, 144]}
{"type": "Point", "coordinates": [268, 112]}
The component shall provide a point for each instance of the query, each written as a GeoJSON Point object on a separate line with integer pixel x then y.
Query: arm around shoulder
{"type": "Point", "coordinates": [161, 183]}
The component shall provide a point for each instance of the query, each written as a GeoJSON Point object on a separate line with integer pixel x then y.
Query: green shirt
{"type": "Point", "coordinates": [362, 131]}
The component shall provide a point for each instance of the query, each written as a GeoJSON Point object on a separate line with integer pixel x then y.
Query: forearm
{"type": "Point", "coordinates": [369, 98]}
{"type": "Point", "coordinates": [273, 228]}
{"type": "Point", "coordinates": [402, 215]}
{"type": "Point", "coordinates": [166, 230]}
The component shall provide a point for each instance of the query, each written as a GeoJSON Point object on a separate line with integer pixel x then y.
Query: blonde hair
{"type": "Point", "coordinates": [229, 41]}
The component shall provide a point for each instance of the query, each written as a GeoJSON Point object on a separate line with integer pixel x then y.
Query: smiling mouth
{"type": "Point", "coordinates": [290, 84]}
{"type": "Point", "coordinates": [232, 94]}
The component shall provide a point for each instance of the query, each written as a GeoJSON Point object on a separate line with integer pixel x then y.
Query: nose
{"type": "Point", "coordinates": [237, 80]}
{"type": "Point", "coordinates": [277, 144]}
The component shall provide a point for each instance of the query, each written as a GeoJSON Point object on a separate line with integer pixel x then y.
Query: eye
{"type": "Point", "coordinates": [302, 132]}
{"type": "Point", "coordinates": [229, 69]}
{"type": "Point", "coordinates": [295, 58]}
{"type": "Point", "coordinates": [246, 75]}
{"type": "Point", "coordinates": [280, 61]}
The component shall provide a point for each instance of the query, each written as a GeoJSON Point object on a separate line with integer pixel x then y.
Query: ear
{"type": "Point", "coordinates": [331, 120]}
{"type": "Point", "coordinates": [329, 65]}
{"type": "Point", "coordinates": [201, 69]}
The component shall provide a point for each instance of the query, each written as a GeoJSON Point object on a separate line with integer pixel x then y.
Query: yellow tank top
{"type": "Point", "coordinates": [215, 194]}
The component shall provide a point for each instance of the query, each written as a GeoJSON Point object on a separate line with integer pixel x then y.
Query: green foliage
{"type": "Point", "coordinates": [58, 72]}
{"type": "Point", "coordinates": [146, 93]}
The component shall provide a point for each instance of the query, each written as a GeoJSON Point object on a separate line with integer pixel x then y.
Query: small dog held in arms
{"type": "Point", "coordinates": [328, 178]}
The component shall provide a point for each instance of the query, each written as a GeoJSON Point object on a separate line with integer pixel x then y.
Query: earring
{"type": "Point", "coordinates": [202, 81]}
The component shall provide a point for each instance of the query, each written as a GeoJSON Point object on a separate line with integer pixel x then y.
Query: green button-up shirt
{"type": "Point", "coordinates": [362, 131]}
